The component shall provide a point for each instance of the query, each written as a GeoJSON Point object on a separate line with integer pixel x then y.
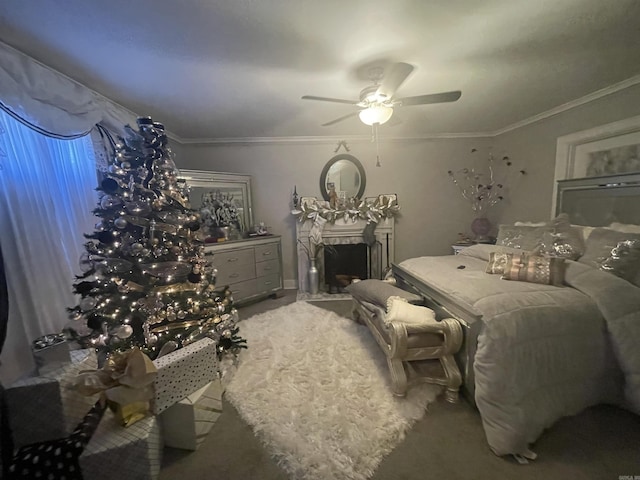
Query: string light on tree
{"type": "Point", "coordinates": [145, 281]}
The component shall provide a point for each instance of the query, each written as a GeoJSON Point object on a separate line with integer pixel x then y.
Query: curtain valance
{"type": "Point", "coordinates": [52, 103]}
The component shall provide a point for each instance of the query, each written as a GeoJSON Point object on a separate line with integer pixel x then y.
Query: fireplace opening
{"type": "Point", "coordinates": [343, 264]}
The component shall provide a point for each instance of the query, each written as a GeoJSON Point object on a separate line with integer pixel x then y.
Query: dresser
{"type": "Point", "coordinates": [251, 267]}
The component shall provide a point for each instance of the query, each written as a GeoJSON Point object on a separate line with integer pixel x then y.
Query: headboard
{"type": "Point", "coordinates": [599, 201]}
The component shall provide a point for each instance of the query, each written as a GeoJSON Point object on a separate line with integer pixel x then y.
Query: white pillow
{"type": "Point", "coordinates": [399, 310]}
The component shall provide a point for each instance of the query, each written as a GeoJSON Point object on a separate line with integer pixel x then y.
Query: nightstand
{"type": "Point", "coordinates": [457, 248]}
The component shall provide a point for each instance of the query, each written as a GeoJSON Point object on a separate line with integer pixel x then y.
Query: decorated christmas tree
{"type": "Point", "coordinates": [145, 281]}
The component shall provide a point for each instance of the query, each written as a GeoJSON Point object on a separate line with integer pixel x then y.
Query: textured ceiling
{"type": "Point", "coordinates": [221, 69]}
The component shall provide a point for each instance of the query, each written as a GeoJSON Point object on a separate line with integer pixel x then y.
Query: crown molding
{"type": "Point", "coordinates": [616, 87]}
{"type": "Point", "coordinates": [322, 140]}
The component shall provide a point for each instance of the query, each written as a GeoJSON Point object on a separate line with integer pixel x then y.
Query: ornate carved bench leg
{"type": "Point", "coordinates": [398, 377]}
{"type": "Point", "coordinates": [454, 379]}
{"type": "Point", "coordinates": [451, 395]}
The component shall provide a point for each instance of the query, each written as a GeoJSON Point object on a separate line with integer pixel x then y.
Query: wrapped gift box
{"type": "Point", "coordinates": [43, 408]}
{"type": "Point", "coordinates": [50, 353]}
{"type": "Point", "coordinates": [186, 424]}
{"type": "Point", "coordinates": [134, 452]}
{"type": "Point", "coordinates": [184, 371]}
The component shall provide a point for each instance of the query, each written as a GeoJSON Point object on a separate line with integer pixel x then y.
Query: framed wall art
{"type": "Point", "coordinates": [611, 149]}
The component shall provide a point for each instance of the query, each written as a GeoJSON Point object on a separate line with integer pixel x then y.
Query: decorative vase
{"type": "Point", "coordinates": [314, 277]}
{"type": "Point", "coordinates": [481, 227]}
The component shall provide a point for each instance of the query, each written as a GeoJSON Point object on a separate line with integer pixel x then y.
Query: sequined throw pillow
{"type": "Point", "coordinates": [624, 261]}
{"type": "Point", "coordinates": [497, 262]}
{"type": "Point", "coordinates": [614, 252]}
{"type": "Point", "coordinates": [561, 240]}
{"type": "Point", "coordinates": [534, 269]}
{"type": "Point", "coordinates": [522, 237]}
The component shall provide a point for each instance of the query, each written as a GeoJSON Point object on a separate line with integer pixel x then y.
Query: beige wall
{"type": "Point", "coordinates": [433, 211]}
{"type": "Point", "coordinates": [535, 145]}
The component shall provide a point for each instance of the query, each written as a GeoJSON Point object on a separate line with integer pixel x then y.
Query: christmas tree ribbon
{"type": "Point", "coordinates": [126, 381]}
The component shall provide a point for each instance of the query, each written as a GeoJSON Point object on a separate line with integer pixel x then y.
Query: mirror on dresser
{"type": "Point", "coordinates": [250, 265]}
{"type": "Point", "coordinates": [223, 200]}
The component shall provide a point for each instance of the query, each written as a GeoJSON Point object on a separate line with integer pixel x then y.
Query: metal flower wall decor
{"type": "Point", "coordinates": [485, 186]}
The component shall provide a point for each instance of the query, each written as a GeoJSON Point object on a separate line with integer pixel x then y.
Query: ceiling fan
{"type": "Point", "coordinates": [377, 101]}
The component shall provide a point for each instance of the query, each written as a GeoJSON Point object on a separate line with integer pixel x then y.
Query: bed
{"type": "Point", "coordinates": [535, 352]}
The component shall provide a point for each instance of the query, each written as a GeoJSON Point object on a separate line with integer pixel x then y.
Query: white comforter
{"type": "Point", "coordinates": [544, 351]}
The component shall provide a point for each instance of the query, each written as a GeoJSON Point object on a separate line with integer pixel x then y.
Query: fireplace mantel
{"type": "Point", "coordinates": [346, 232]}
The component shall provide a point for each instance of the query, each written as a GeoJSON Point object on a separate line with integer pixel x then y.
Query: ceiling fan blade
{"type": "Point", "coordinates": [327, 99]}
{"type": "Point", "coordinates": [344, 117]}
{"type": "Point", "coordinates": [432, 98]}
{"type": "Point", "coordinates": [392, 79]}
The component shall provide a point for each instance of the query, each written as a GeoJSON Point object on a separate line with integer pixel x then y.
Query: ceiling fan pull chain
{"type": "Point", "coordinates": [375, 139]}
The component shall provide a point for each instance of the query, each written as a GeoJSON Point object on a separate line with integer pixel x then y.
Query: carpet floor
{"type": "Point", "coordinates": [448, 443]}
{"type": "Point", "coordinates": [314, 387]}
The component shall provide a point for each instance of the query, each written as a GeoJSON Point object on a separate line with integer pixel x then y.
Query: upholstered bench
{"type": "Point", "coordinates": [418, 347]}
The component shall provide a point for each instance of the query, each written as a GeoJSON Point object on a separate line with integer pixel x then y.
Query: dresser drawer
{"type": "Point", "coordinates": [266, 252]}
{"type": "Point", "coordinates": [268, 283]}
{"type": "Point", "coordinates": [268, 268]}
{"type": "Point", "coordinates": [251, 268]}
{"type": "Point", "coordinates": [233, 273]}
{"type": "Point", "coordinates": [234, 258]}
{"type": "Point", "coordinates": [242, 290]}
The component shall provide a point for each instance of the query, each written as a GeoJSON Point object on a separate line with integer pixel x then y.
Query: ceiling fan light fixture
{"type": "Point", "coordinates": [375, 114]}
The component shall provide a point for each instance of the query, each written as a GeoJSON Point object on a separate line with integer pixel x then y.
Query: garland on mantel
{"type": "Point", "coordinates": [384, 206]}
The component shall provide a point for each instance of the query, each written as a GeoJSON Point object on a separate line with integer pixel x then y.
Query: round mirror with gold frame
{"type": "Point", "coordinates": [343, 173]}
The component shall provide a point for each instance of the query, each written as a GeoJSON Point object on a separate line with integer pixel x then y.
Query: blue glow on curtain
{"type": "Point", "coordinates": [47, 195]}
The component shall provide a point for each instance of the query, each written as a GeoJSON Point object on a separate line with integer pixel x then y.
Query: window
{"type": "Point", "coordinates": [47, 195]}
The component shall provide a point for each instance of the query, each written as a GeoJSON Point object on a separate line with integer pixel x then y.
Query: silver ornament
{"type": "Point", "coordinates": [115, 170]}
{"type": "Point", "coordinates": [87, 303]}
{"type": "Point", "coordinates": [120, 223]}
{"type": "Point", "coordinates": [125, 331]}
{"type": "Point", "coordinates": [109, 201]}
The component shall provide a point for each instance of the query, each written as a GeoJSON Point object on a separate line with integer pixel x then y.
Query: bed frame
{"type": "Point", "coordinates": [595, 202]}
{"type": "Point", "coordinates": [448, 307]}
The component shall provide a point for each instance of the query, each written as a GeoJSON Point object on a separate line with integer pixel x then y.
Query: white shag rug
{"type": "Point", "coordinates": [315, 388]}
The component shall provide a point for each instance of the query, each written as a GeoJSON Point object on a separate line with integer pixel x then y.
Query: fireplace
{"type": "Point", "coordinates": [343, 264]}
{"type": "Point", "coordinates": [379, 254]}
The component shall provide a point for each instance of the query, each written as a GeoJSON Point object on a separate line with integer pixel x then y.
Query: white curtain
{"type": "Point", "coordinates": [47, 195]}
{"type": "Point", "coordinates": [52, 103]}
